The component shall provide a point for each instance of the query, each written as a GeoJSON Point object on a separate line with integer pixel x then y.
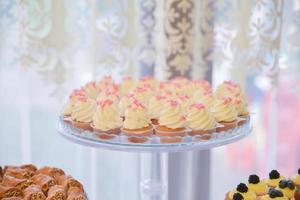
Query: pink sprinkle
{"type": "Point", "coordinates": [140, 90]}
{"type": "Point", "coordinates": [146, 78]}
{"type": "Point", "coordinates": [226, 100]}
{"type": "Point", "coordinates": [136, 103]}
{"type": "Point", "coordinates": [198, 106]}
{"type": "Point", "coordinates": [128, 78]}
{"type": "Point", "coordinates": [228, 83]}
{"type": "Point", "coordinates": [158, 97]}
{"type": "Point", "coordinates": [183, 97]}
{"type": "Point", "coordinates": [237, 101]}
{"type": "Point", "coordinates": [106, 102]}
{"type": "Point", "coordinates": [172, 103]}
{"type": "Point", "coordinates": [82, 99]}
{"type": "Point", "coordinates": [182, 118]}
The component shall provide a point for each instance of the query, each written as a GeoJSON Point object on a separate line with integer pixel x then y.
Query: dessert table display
{"type": "Point", "coordinates": [30, 183]}
{"type": "Point", "coordinates": [275, 186]}
{"type": "Point", "coordinates": [147, 115]}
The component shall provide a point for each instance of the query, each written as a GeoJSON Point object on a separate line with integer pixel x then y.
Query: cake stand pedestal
{"type": "Point", "coordinates": [154, 154]}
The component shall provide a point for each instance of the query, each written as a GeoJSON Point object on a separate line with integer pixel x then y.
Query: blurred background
{"type": "Point", "coordinates": [49, 47]}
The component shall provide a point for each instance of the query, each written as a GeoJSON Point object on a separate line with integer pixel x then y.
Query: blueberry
{"type": "Point", "coordinates": [254, 179]}
{"type": "Point", "coordinates": [274, 174]}
{"type": "Point", "coordinates": [278, 193]}
{"type": "Point", "coordinates": [283, 183]}
{"type": "Point", "coordinates": [237, 196]}
{"type": "Point", "coordinates": [291, 184]}
{"type": "Point", "coordinates": [242, 188]}
{"type": "Point", "coordinates": [299, 171]}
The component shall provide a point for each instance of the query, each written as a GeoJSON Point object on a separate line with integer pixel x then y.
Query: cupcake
{"type": "Point", "coordinates": [82, 113]}
{"type": "Point", "coordinates": [244, 191]}
{"type": "Point", "coordinates": [106, 120]}
{"type": "Point", "coordinates": [199, 120]}
{"type": "Point", "coordinates": [91, 89]}
{"type": "Point", "coordinates": [67, 111]}
{"type": "Point", "coordinates": [171, 123]}
{"type": "Point", "coordinates": [274, 178]}
{"type": "Point", "coordinates": [137, 125]}
{"type": "Point", "coordinates": [225, 113]}
{"type": "Point", "coordinates": [156, 104]}
{"type": "Point", "coordinates": [274, 195]}
{"type": "Point", "coordinates": [287, 187]}
{"type": "Point", "coordinates": [259, 187]}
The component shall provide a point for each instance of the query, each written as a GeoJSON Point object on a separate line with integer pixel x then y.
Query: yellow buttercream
{"type": "Point", "coordinates": [171, 116]}
{"type": "Point", "coordinates": [287, 192]}
{"type": "Point", "coordinates": [204, 98]}
{"type": "Point", "coordinates": [107, 117]}
{"type": "Point", "coordinates": [296, 179]}
{"type": "Point", "coordinates": [83, 111]}
{"type": "Point", "coordinates": [200, 119]}
{"type": "Point", "coordinates": [124, 103]}
{"type": "Point", "coordinates": [223, 90]}
{"type": "Point", "coordinates": [259, 188]}
{"type": "Point", "coordinates": [274, 182]}
{"type": "Point", "coordinates": [224, 110]}
{"type": "Point", "coordinates": [136, 117]}
{"type": "Point", "coordinates": [127, 85]}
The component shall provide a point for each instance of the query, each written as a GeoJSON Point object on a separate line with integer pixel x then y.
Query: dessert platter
{"type": "Point", "coordinates": [275, 187]}
{"type": "Point", "coordinates": [30, 183]}
{"type": "Point", "coordinates": [150, 115]}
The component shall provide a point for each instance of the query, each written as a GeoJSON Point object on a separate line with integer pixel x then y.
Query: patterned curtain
{"type": "Point", "coordinates": [48, 47]}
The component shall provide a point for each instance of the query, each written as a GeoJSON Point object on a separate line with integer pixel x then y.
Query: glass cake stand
{"type": "Point", "coordinates": [155, 185]}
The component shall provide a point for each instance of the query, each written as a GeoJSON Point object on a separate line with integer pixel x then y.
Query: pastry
{"type": "Point", "coordinates": [69, 182]}
{"type": "Point", "coordinates": [137, 126]}
{"type": "Point", "coordinates": [225, 113]}
{"type": "Point", "coordinates": [259, 187]}
{"type": "Point", "coordinates": [82, 114]}
{"type": "Point", "coordinates": [12, 198]}
{"type": "Point", "coordinates": [33, 192]}
{"type": "Point", "coordinates": [56, 192]}
{"type": "Point", "coordinates": [43, 181]}
{"type": "Point", "coordinates": [274, 178]}
{"type": "Point", "coordinates": [51, 171]}
{"type": "Point", "coordinates": [287, 187]}
{"type": "Point", "coordinates": [199, 120]}
{"type": "Point", "coordinates": [16, 182]}
{"type": "Point", "coordinates": [6, 191]}
{"type": "Point", "coordinates": [18, 172]}
{"type": "Point", "coordinates": [156, 104]}
{"type": "Point", "coordinates": [274, 195]}
{"type": "Point", "coordinates": [107, 121]}
{"type": "Point", "coordinates": [171, 123]}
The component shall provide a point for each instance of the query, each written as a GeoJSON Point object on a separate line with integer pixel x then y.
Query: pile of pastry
{"type": "Point", "coordinates": [27, 182]}
{"type": "Point", "coordinates": [276, 187]}
{"type": "Point", "coordinates": [147, 106]}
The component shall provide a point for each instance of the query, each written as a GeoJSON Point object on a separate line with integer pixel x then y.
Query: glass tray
{"type": "Point", "coordinates": [153, 144]}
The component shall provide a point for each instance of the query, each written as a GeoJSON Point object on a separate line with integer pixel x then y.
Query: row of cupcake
{"type": "Point", "coordinates": [138, 110]}
{"type": "Point", "coordinates": [275, 187]}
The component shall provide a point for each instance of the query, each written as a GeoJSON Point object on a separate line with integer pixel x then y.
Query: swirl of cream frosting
{"type": "Point", "coordinates": [241, 107]}
{"type": "Point", "coordinates": [156, 103]}
{"type": "Point", "coordinates": [83, 110]}
{"type": "Point", "coordinates": [107, 116]}
{"type": "Point", "coordinates": [91, 90]}
{"type": "Point", "coordinates": [204, 98]}
{"type": "Point", "coordinates": [199, 118]}
{"type": "Point", "coordinates": [136, 116]}
{"type": "Point", "coordinates": [127, 85]}
{"type": "Point", "coordinates": [224, 110]}
{"type": "Point", "coordinates": [124, 103]}
{"type": "Point", "coordinates": [171, 115]}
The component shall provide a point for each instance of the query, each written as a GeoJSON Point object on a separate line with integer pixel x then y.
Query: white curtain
{"type": "Point", "coordinates": [49, 47]}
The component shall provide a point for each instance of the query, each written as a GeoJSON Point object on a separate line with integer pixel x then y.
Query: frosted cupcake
{"type": "Point", "coordinates": [67, 111]}
{"type": "Point", "coordinates": [82, 113]}
{"type": "Point", "coordinates": [259, 187]}
{"type": "Point", "coordinates": [91, 90]}
{"type": "Point", "coordinates": [106, 120]}
{"type": "Point", "coordinates": [242, 110]}
{"type": "Point", "coordinates": [199, 120]}
{"type": "Point", "coordinates": [171, 123]}
{"type": "Point", "coordinates": [137, 126]}
{"type": "Point", "coordinates": [225, 113]}
{"type": "Point", "coordinates": [274, 178]}
{"type": "Point", "coordinates": [155, 107]}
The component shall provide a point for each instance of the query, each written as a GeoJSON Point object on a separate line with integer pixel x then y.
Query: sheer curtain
{"type": "Point", "coordinates": [47, 48]}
